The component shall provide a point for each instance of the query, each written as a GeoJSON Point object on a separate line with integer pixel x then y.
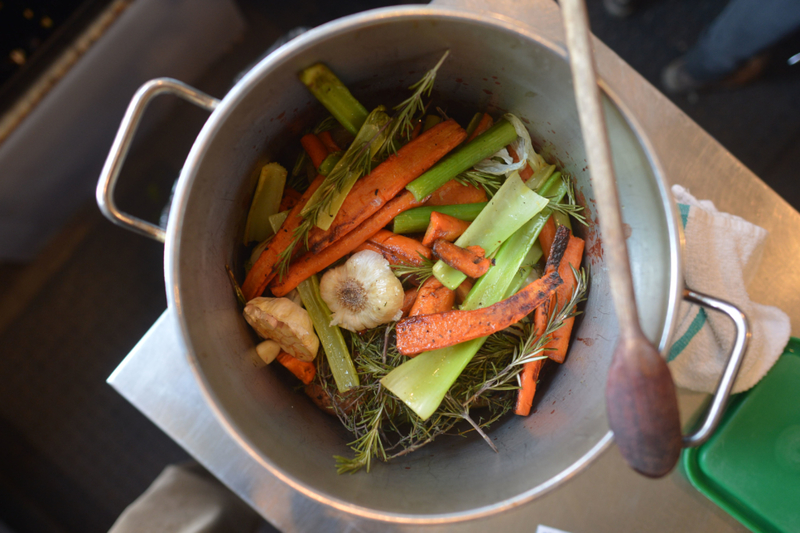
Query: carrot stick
{"type": "Point", "coordinates": [463, 290]}
{"type": "Point", "coordinates": [404, 247]}
{"type": "Point", "coordinates": [547, 235]}
{"type": "Point", "coordinates": [304, 370]}
{"type": "Point", "coordinates": [443, 227]}
{"type": "Point", "coordinates": [430, 332]}
{"type": "Point", "coordinates": [416, 131]}
{"type": "Point", "coordinates": [371, 192]}
{"type": "Point", "coordinates": [409, 297]}
{"type": "Point", "coordinates": [453, 192]}
{"type": "Point", "coordinates": [389, 256]}
{"type": "Point", "coordinates": [311, 263]}
{"type": "Point", "coordinates": [314, 148]}
{"type": "Point", "coordinates": [290, 199]}
{"type": "Point", "coordinates": [485, 123]}
{"type": "Point", "coordinates": [527, 389]}
{"type": "Point", "coordinates": [557, 348]}
{"type": "Point", "coordinates": [328, 142]}
{"type": "Point", "coordinates": [471, 261]}
{"type": "Point", "coordinates": [263, 270]}
{"type": "Point", "coordinates": [433, 297]}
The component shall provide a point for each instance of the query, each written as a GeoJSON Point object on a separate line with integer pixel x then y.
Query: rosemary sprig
{"type": "Point", "coordinates": [570, 208]}
{"type": "Point", "coordinates": [420, 272]}
{"type": "Point", "coordinates": [488, 182]}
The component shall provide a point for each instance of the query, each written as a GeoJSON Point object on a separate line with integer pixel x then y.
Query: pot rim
{"type": "Point", "coordinates": [206, 136]}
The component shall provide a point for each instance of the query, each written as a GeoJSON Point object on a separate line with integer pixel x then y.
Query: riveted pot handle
{"type": "Point", "coordinates": [122, 142]}
{"type": "Point", "coordinates": [717, 408]}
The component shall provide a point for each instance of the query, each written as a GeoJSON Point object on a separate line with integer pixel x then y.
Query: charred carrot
{"type": "Point", "coordinates": [304, 370]}
{"type": "Point", "coordinates": [264, 268]}
{"type": "Point", "coordinates": [484, 124]}
{"type": "Point", "coordinates": [314, 148]}
{"type": "Point", "coordinates": [410, 250]}
{"type": "Point", "coordinates": [290, 199]}
{"type": "Point", "coordinates": [471, 261]}
{"type": "Point", "coordinates": [527, 389]}
{"type": "Point", "coordinates": [430, 332]}
{"type": "Point", "coordinates": [377, 248]}
{"type": "Point", "coordinates": [547, 235]}
{"type": "Point", "coordinates": [557, 348]}
{"type": "Point", "coordinates": [409, 297]}
{"type": "Point", "coordinates": [311, 263]}
{"type": "Point", "coordinates": [443, 227]}
{"type": "Point", "coordinates": [327, 140]}
{"type": "Point", "coordinates": [433, 297]}
{"type": "Point", "coordinates": [453, 193]}
{"type": "Point", "coordinates": [371, 192]}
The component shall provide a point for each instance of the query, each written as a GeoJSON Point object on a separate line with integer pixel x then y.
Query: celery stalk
{"type": "Point", "coordinates": [330, 337]}
{"type": "Point", "coordinates": [266, 201]}
{"type": "Point", "coordinates": [510, 208]}
{"type": "Point", "coordinates": [276, 220]}
{"type": "Point", "coordinates": [463, 158]}
{"type": "Point", "coordinates": [417, 219]}
{"type": "Point", "coordinates": [334, 95]}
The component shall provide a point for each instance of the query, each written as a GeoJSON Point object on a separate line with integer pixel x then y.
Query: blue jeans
{"type": "Point", "coordinates": [742, 30]}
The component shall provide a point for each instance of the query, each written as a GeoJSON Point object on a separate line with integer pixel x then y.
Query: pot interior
{"type": "Point", "coordinates": [492, 67]}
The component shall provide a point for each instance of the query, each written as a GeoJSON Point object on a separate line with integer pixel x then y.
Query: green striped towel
{"type": "Point", "coordinates": [721, 254]}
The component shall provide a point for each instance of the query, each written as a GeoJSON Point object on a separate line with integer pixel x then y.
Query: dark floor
{"type": "Point", "coordinates": [73, 453]}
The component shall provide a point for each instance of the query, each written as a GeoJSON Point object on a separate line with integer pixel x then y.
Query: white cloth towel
{"type": "Point", "coordinates": [721, 255]}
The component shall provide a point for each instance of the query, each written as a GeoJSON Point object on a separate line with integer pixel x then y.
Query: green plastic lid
{"type": "Point", "coordinates": [751, 465]}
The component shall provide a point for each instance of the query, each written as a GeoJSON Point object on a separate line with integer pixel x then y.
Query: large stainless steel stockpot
{"type": "Point", "coordinates": [494, 65]}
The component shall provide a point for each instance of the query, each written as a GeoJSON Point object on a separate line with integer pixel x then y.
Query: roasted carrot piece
{"type": "Point", "coordinates": [422, 333]}
{"type": "Point", "coordinates": [409, 297]}
{"type": "Point", "coordinates": [311, 263]}
{"type": "Point", "coordinates": [453, 192]}
{"type": "Point", "coordinates": [371, 192]}
{"type": "Point", "coordinates": [314, 148]}
{"type": "Point", "coordinates": [401, 246]}
{"type": "Point", "coordinates": [463, 290]}
{"type": "Point", "coordinates": [290, 199]}
{"type": "Point", "coordinates": [389, 256]}
{"type": "Point", "coordinates": [557, 348]}
{"type": "Point", "coordinates": [263, 270]}
{"type": "Point", "coordinates": [443, 227]}
{"type": "Point", "coordinates": [547, 235]}
{"type": "Point", "coordinates": [471, 261]}
{"type": "Point", "coordinates": [328, 142]}
{"type": "Point", "coordinates": [304, 370]}
{"type": "Point", "coordinates": [485, 123]}
{"type": "Point", "coordinates": [433, 297]}
{"type": "Point", "coordinates": [416, 131]}
{"type": "Point", "coordinates": [527, 389]}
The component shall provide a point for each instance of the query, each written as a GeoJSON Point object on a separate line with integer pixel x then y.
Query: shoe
{"type": "Point", "coordinates": [620, 8]}
{"type": "Point", "coordinates": [676, 79]}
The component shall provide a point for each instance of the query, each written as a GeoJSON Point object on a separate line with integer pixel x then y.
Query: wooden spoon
{"type": "Point", "coordinates": [640, 395]}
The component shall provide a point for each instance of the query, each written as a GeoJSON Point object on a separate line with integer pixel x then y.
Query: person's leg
{"type": "Point", "coordinates": [742, 30]}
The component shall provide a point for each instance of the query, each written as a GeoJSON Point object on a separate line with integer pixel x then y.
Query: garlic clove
{"type": "Point", "coordinates": [285, 322]}
{"type": "Point", "coordinates": [268, 351]}
{"type": "Point", "coordinates": [363, 292]}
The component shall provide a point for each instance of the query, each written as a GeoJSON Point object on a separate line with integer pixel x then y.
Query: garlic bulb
{"type": "Point", "coordinates": [363, 292]}
{"type": "Point", "coordinates": [285, 322]}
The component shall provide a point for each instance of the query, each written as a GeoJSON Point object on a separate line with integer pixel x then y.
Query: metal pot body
{"type": "Point", "coordinates": [494, 66]}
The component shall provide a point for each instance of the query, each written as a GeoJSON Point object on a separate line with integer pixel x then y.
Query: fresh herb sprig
{"type": "Point", "coordinates": [421, 272]}
{"type": "Point", "coordinates": [482, 180]}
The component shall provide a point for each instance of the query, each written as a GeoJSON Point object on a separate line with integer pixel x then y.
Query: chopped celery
{"type": "Point", "coordinates": [510, 208]}
{"type": "Point", "coordinates": [334, 95]}
{"type": "Point", "coordinates": [417, 219]}
{"type": "Point", "coordinates": [266, 201]}
{"type": "Point", "coordinates": [276, 220]}
{"type": "Point", "coordinates": [350, 167]}
{"type": "Point", "coordinates": [330, 337]}
{"type": "Point", "coordinates": [329, 163]}
{"type": "Point", "coordinates": [463, 158]}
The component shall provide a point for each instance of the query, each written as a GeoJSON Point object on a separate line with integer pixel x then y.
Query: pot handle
{"type": "Point", "coordinates": [717, 408]}
{"type": "Point", "coordinates": [122, 142]}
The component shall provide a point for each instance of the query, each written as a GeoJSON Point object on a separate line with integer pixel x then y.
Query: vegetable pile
{"type": "Point", "coordinates": [434, 266]}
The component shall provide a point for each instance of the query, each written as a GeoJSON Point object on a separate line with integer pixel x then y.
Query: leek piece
{"type": "Point", "coordinates": [266, 201]}
{"type": "Point", "coordinates": [329, 163]}
{"type": "Point", "coordinates": [335, 96]}
{"type": "Point", "coordinates": [417, 219]}
{"type": "Point", "coordinates": [331, 338]}
{"type": "Point", "coordinates": [540, 176]}
{"type": "Point", "coordinates": [350, 167]}
{"type": "Point", "coordinates": [276, 220]}
{"type": "Point", "coordinates": [510, 208]}
{"type": "Point", "coordinates": [463, 158]}
{"type": "Point", "coordinates": [521, 276]}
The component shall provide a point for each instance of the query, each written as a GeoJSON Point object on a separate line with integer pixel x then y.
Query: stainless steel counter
{"type": "Point", "coordinates": [607, 496]}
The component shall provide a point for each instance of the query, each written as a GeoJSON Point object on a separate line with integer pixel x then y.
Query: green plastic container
{"type": "Point", "coordinates": [751, 465]}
